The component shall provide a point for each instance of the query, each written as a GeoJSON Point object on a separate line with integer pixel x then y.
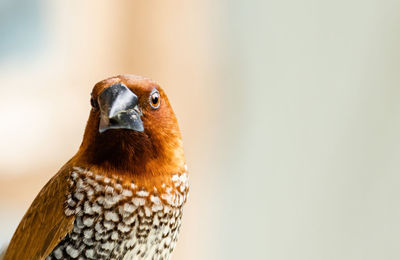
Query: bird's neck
{"type": "Point", "coordinates": [132, 157]}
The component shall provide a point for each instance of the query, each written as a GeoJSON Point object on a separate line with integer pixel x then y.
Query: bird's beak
{"type": "Point", "coordinates": [119, 109]}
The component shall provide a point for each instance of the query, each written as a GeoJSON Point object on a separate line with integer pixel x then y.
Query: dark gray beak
{"type": "Point", "coordinates": [119, 109]}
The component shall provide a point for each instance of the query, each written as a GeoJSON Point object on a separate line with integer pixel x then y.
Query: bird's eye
{"type": "Point", "coordinates": [93, 103]}
{"type": "Point", "coordinates": [155, 99]}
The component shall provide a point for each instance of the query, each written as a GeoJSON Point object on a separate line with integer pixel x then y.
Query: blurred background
{"type": "Point", "coordinates": [289, 111]}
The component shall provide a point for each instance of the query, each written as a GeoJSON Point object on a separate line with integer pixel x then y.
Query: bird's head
{"type": "Point", "coordinates": [131, 128]}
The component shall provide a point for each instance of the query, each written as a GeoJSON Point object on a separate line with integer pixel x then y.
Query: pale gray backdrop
{"type": "Point", "coordinates": [289, 110]}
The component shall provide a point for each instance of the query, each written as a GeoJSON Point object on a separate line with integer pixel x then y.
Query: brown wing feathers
{"type": "Point", "coordinates": [44, 224]}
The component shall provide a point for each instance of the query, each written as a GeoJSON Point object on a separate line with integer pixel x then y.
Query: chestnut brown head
{"type": "Point", "coordinates": [131, 127]}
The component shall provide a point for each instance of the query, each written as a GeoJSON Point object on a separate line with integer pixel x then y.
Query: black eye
{"type": "Point", "coordinates": [155, 99]}
{"type": "Point", "coordinates": [93, 103]}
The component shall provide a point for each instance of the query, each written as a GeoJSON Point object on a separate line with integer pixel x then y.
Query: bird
{"type": "Point", "coordinates": [121, 195]}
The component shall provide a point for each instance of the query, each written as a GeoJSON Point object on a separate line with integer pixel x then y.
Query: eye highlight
{"type": "Point", "coordinates": [154, 99]}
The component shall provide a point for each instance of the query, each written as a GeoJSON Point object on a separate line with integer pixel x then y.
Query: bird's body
{"type": "Point", "coordinates": [116, 219]}
{"type": "Point", "coordinates": [121, 195]}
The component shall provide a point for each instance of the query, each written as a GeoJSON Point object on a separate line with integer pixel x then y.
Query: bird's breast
{"type": "Point", "coordinates": [115, 219]}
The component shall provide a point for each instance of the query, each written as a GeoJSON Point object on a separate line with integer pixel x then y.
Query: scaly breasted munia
{"type": "Point", "coordinates": [121, 195]}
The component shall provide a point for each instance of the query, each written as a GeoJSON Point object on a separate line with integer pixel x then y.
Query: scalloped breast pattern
{"type": "Point", "coordinates": [115, 220]}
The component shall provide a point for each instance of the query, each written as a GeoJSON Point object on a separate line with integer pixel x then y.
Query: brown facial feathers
{"type": "Point", "coordinates": [156, 152]}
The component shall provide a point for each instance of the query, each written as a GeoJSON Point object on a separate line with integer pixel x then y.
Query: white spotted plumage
{"type": "Point", "coordinates": [116, 220]}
